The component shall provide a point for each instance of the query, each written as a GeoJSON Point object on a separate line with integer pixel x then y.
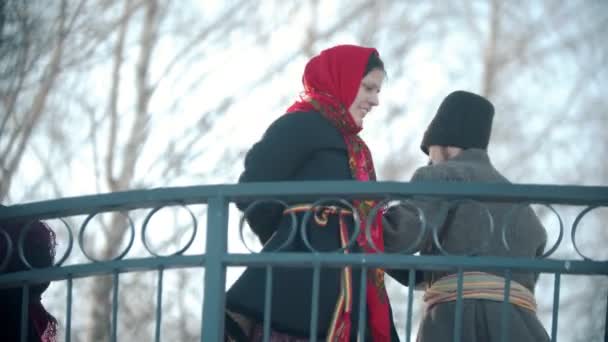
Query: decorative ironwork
{"type": "Point", "coordinates": [23, 235]}
{"type": "Point", "coordinates": [318, 207]}
{"type": "Point", "coordinates": [452, 207]}
{"type": "Point", "coordinates": [8, 252]}
{"type": "Point", "coordinates": [575, 226]}
{"type": "Point", "coordinates": [511, 216]}
{"type": "Point", "coordinates": [319, 194]}
{"type": "Point", "coordinates": [384, 205]}
{"type": "Point", "coordinates": [119, 256]}
{"type": "Point", "coordinates": [255, 204]}
{"type": "Point", "coordinates": [149, 217]}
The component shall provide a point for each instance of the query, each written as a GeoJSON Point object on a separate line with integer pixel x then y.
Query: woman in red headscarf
{"type": "Point", "coordinates": [316, 140]}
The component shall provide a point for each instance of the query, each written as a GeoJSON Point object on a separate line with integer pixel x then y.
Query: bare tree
{"type": "Point", "coordinates": [23, 56]}
{"type": "Point", "coordinates": [127, 95]}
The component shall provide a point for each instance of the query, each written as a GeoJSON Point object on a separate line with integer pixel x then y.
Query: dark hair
{"type": "Point", "coordinates": [374, 62]}
{"type": "Point", "coordinates": [39, 251]}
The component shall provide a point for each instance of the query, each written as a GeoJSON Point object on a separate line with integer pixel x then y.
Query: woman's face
{"type": "Point", "coordinates": [367, 96]}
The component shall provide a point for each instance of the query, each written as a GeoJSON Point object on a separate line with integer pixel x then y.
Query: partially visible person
{"type": "Point", "coordinates": [456, 142]}
{"type": "Point", "coordinates": [39, 251]}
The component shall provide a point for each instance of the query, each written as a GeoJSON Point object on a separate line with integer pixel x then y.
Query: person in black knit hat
{"type": "Point", "coordinates": [456, 142]}
{"type": "Point", "coordinates": [463, 120]}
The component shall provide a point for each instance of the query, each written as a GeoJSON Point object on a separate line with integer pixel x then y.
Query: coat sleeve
{"type": "Point", "coordinates": [276, 157]}
{"type": "Point", "coordinates": [403, 223]}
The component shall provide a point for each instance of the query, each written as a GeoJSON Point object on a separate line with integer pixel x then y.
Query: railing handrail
{"type": "Point", "coordinates": [391, 261]}
{"type": "Point", "coordinates": [149, 198]}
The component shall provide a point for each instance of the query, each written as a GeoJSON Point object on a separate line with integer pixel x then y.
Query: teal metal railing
{"type": "Point", "coordinates": [216, 258]}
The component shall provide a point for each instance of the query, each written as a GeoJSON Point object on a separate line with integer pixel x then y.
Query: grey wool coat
{"type": "Point", "coordinates": [465, 231]}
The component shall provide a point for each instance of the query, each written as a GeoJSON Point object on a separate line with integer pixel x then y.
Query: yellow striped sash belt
{"type": "Point", "coordinates": [321, 213]}
{"type": "Point", "coordinates": [339, 328]}
{"type": "Point", "coordinates": [478, 285]}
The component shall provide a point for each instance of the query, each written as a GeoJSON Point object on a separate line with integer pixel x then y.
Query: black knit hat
{"type": "Point", "coordinates": [463, 120]}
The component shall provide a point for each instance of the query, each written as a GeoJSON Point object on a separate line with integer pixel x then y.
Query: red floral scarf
{"type": "Point", "coordinates": [331, 82]}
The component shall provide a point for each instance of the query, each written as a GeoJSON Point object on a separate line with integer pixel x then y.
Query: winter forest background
{"type": "Point", "coordinates": [101, 96]}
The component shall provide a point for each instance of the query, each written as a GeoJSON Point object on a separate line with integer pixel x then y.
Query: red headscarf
{"type": "Point", "coordinates": [331, 81]}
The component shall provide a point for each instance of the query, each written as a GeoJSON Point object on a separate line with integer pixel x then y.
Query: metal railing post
{"type": "Point", "coordinates": [215, 271]}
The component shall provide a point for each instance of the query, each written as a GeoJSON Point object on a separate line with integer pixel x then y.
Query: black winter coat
{"type": "Point", "coordinates": [301, 146]}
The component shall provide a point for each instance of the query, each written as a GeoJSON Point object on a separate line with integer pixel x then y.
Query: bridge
{"type": "Point", "coordinates": [215, 260]}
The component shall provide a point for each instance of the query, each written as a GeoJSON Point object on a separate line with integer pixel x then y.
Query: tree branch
{"type": "Point", "coordinates": [39, 102]}
{"type": "Point", "coordinates": [113, 98]}
{"type": "Point", "coordinates": [139, 129]}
